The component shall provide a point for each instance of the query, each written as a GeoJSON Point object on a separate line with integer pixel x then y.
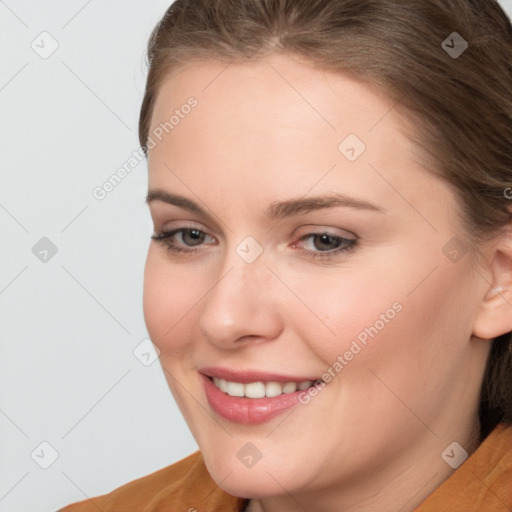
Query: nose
{"type": "Point", "coordinates": [242, 306]}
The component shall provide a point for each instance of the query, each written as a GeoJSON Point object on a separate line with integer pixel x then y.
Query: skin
{"type": "Point", "coordinates": [372, 438]}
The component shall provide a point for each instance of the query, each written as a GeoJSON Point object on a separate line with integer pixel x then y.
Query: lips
{"type": "Point", "coordinates": [252, 376]}
{"type": "Point", "coordinates": [230, 403]}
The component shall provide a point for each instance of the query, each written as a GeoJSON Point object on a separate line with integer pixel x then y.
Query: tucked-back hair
{"type": "Point", "coordinates": [461, 104]}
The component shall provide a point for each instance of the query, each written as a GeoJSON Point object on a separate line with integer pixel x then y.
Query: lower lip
{"type": "Point", "coordinates": [248, 411]}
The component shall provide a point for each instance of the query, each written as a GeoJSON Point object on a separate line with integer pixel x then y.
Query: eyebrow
{"type": "Point", "coordinates": [278, 209]}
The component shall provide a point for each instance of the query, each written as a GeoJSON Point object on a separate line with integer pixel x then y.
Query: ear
{"type": "Point", "coordinates": [495, 315]}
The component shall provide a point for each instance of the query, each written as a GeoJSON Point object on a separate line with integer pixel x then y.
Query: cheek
{"type": "Point", "coordinates": [171, 294]}
{"type": "Point", "coordinates": [428, 336]}
{"type": "Point", "coordinates": [341, 306]}
{"type": "Point", "coordinates": [397, 319]}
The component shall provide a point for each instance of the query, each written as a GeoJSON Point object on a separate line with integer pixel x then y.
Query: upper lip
{"type": "Point", "coordinates": [245, 376]}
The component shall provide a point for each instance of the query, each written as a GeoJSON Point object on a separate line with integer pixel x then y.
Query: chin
{"type": "Point", "coordinates": [264, 479]}
{"type": "Point", "coordinates": [251, 485]}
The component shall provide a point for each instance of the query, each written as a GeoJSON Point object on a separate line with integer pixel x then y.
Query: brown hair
{"type": "Point", "coordinates": [462, 103]}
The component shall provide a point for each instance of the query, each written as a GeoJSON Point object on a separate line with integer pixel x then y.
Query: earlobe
{"type": "Point", "coordinates": [495, 315]}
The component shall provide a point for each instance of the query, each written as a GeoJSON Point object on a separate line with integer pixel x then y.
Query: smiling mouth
{"type": "Point", "coordinates": [259, 398]}
{"type": "Point", "coordinates": [260, 389]}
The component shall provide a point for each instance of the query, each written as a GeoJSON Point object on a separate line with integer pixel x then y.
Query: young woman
{"type": "Point", "coordinates": [330, 278]}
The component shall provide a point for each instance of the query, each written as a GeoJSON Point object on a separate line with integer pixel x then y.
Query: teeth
{"type": "Point", "coordinates": [260, 389]}
{"type": "Point", "coordinates": [305, 385]}
{"type": "Point", "coordinates": [273, 389]}
{"type": "Point", "coordinates": [290, 387]}
{"type": "Point", "coordinates": [223, 385]}
{"type": "Point", "coordinates": [254, 390]}
{"type": "Point", "coordinates": [235, 389]}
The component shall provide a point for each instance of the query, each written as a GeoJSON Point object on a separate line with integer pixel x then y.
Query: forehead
{"type": "Point", "coordinates": [279, 126]}
{"type": "Point", "coordinates": [279, 90]}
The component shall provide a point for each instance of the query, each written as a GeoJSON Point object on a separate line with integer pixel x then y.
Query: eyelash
{"type": "Point", "coordinates": [346, 244]}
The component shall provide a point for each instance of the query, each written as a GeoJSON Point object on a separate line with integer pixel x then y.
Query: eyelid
{"type": "Point", "coordinates": [317, 229]}
{"type": "Point", "coordinates": [178, 225]}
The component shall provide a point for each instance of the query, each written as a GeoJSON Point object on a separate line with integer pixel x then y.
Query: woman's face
{"type": "Point", "coordinates": [307, 244]}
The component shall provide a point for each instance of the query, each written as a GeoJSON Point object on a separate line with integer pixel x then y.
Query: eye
{"type": "Point", "coordinates": [325, 244]}
{"type": "Point", "coordinates": [192, 237]}
{"type": "Point", "coordinates": [183, 239]}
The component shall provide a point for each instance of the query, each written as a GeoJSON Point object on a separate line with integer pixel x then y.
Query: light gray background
{"type": "Point", "coordinates": [69, 325]}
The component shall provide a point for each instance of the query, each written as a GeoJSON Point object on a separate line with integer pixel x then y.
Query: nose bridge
{"type": "Point", "coordinates": [241, 276]}
{"type": "Point", "coordinates": [240, 302]}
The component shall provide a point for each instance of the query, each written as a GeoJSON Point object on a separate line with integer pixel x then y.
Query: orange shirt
{"type": "Point", "coordinates": [483, 483]}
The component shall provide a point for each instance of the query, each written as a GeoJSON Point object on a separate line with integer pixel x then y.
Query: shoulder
{"type": "Point", "coordinates": [185, 485]}
{"type": "Point", "coordinates": [482, 482]}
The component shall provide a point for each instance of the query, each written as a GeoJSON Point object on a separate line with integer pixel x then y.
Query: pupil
{"type": "Point", "coordinates": [193, 236]}
{"type": "Point", "coordinates": [325, 242]}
